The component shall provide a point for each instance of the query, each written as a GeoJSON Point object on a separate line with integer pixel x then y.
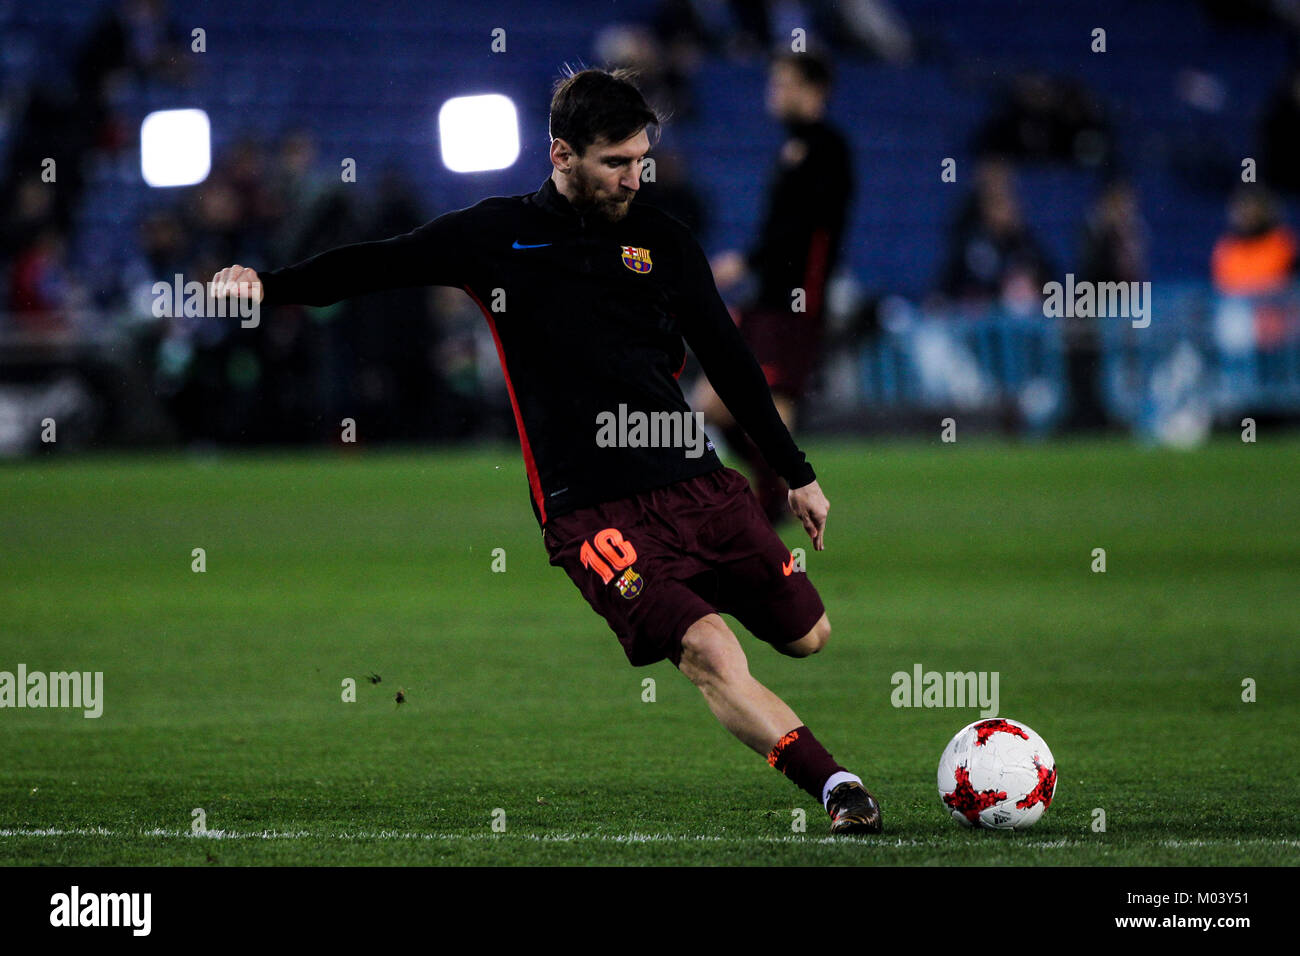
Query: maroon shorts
{"type": "Point", "coordinates": [655, 563]}
{"type": "Point", "coordinates": [787, 346]}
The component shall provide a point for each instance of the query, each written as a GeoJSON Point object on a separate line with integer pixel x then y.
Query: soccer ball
{"type": "Point", "coordinates": [997, 773]}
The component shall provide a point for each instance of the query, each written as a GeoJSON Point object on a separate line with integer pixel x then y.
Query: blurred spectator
{"type": "Point", "coordinates": [993, 257]}
{"type": "Point", "coordinates": [387, 354]}
{"type": "Point", "coordinates": [246, 171]}
{"type": "Point", "coordinates": [1280, 137]}
{"type": "Point", "coordinates": [132, 41]}
{"type": "Point", "coordinates": [52, 125]}
{"type": "Point", "coordinates": [135, 36]}
{"type": "Point", "coordinates": [43, 294]}
{"type": "Point", "coordinates": [164, 251]}
{"type": "Point", "coordinates": [308, 367]}
{"type": "Point", "coordinates": [663, 81]}
{"type": "Point", "coordinates": [1045, 119]}
{"type": "Point", "coordinates": [216, 218]}
{"type": "Point", "coordinates": [67, 116]}
{"type": "Point", "coordinates": [316, 211]}
{"type": "Point", "coordinates": [683, 29]}
{"type": "Point", "coordinates": [33, 208]}
{"type": "Point", "coordinates": [1256, 256]}
{"type": "Point", "coordinates": [287, 379]}
{"type": "Point", "coordinates": [1257, 253]}
{"type": "Point", "coordinates": [477, 401]}
{"type": "Point", "coordinates": [1115, 237]}
{"type": "Point", "coordinates": [1115, 242]}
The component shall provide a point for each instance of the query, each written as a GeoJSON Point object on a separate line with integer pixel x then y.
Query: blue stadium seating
{"type": "Point", "coordinates": [369, 78]}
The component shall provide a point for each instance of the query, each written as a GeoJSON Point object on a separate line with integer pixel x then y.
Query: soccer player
{"type": "Point", "coordinates": [797, 249]}
{"type": "Point", "coordinates": [591, 301]}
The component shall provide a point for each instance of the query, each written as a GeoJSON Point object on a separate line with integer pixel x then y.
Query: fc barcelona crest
{"type": "Point", "coordinates": [630, 584]}
{"type": "Point", "coordinates": [637, 259]}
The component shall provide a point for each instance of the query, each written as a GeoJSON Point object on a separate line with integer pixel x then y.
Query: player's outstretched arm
{"type": "Point", "coordinates": [436, 253]}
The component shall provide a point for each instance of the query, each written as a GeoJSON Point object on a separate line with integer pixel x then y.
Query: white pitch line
{"type": "Point", "coordinates": [629, 838]}
{"type": "Point", "coordinates": [1179, 844]}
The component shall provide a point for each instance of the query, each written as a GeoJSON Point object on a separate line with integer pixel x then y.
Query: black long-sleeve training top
{"type": "Point", "coordinates": [587, 315]}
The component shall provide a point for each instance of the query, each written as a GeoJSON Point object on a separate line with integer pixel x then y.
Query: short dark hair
{"type": "Point", "coordinates": [592, 104]}
{"type": "Point", "coordinates": [814, 68]}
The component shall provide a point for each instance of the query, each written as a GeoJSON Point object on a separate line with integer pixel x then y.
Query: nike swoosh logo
{"type": "Point", "coordinates": [788, 566]}
{"type": "Point", "coordinates": [535, 245]}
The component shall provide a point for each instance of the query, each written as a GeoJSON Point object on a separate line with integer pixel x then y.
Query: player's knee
{"type": "Point", "coordinates": [711, 654]}
{"type": "Point", "coordinates": [810, 643]}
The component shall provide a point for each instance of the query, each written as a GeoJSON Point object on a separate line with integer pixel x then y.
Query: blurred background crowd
{"type": "Point", "coordinates": [1171, 155]}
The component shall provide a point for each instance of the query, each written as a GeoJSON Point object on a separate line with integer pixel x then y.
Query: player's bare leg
{"type": "Point", "coordinates": [714, 662]}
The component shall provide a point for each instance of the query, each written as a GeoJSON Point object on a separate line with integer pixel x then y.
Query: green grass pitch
{"type": "Point", "coordinates": [223, 689]}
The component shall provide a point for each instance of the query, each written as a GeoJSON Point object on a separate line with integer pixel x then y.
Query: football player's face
{"type": "Point", "coordinates": [606, 178]}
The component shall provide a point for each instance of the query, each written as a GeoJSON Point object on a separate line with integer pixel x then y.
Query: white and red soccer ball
{"type": "Point", "coordinates": [997, 773]}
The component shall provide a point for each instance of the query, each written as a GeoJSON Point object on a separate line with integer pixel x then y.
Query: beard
{"type": "Point", "coordinates": [589, 200]}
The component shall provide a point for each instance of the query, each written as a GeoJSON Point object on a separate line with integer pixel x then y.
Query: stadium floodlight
{"type": "Point", "coordinates": [478, 133]}
{"type": "Point", "coordinates": [175, 147]}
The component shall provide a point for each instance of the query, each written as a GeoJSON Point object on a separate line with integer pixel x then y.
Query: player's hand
{"type": "Point", "coordinates": [728, 269]}
{"type": "Point", "coordinates": [811, 507]}
{"type": "Point", "coordinates": [238, 281]}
